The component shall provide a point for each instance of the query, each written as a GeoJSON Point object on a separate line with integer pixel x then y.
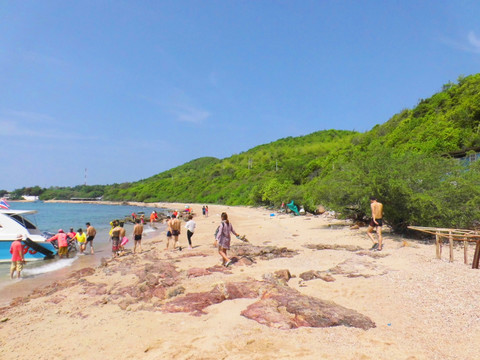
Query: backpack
{"type": "Point", "coordinates": [218, 229]}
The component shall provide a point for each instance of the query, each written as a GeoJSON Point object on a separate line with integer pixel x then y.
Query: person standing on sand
{"type": "Point", "coordinates": [152, 219]}
{"type": "Point", "coordinates": [81, 239]}
{"type": "Point", "coordinates": [169, 232]}
{"type": "Point", "coordinates": [190, 226]}
{"type": "Point", "coordinates": [223, 239]}
{"type": "Point", "coordinates": [116, 239]}
{"type": "Point", "coordinates": [175, 225]}
{"type": "Point", "coordinates": [376, 223]}
{"type": "Point", "coordinates": [62, 241]}
{"type": "Point", "coordinates": [203, 210]}
{"type": "Point", "coordinates": [206, 210]}
{"type": "Point", "coordinates": [137, 236]}
{"type": "Point", "coordinates": [123, 239]}
{"type": "Point", "coordinates": [91, 232]}
{"type": "Point", "coordinates": [16, 249]}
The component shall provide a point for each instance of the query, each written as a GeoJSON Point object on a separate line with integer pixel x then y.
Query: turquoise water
{"type": "Point", "coordinates": [53, 216]}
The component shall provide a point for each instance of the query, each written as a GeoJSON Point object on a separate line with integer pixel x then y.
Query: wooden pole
{"type": "Point", "coordinates": [450, 239]}
{"type": "Point", "coordinates": [438, 246]}
{"type": "Point", "coordinates": [465, 251]}
{"type": "Point", "coordinates": [476, 256]}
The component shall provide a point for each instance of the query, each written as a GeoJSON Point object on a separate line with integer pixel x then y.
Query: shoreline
{"type": "Point", "coordinates": [401, 290]}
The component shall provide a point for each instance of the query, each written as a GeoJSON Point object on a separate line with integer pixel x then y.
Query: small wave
{"type": "Point", "coordinates": [57, 265]}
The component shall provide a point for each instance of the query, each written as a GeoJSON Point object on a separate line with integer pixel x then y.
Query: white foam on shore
{"type": "Point", "coordinates": [53, 266]}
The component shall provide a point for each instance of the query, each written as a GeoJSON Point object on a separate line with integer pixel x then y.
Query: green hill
{"type": "Point", "coordinates": [403, 162]}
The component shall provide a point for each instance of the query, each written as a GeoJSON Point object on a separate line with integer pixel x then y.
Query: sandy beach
{"type": "Point", "coordinates": [401, 303]}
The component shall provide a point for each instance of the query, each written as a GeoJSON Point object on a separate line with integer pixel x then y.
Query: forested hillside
{"type": "Point", "coordinates": [404, 162]}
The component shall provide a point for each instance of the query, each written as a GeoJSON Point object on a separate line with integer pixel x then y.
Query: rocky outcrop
{"type": "Point", "coordinates": [285, 308]}
{"type": "Point", "coordinates": [358, 267]}
{"type": "Point", "coordinates": [313, 274]}
{"type": "Point", "coordinates": [279, 306]}
{"type": "Point", "coordinates": [261, 252]}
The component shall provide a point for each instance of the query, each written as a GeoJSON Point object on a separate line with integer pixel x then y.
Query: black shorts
{"type": "Point", "coordinates": [90, 238]}
{"type": "Point", "coordinates": [138, 237]}
{"type": "Point", "coordinates": [379, 223]}
{"type": "Point", "coordinates": [175, 232]}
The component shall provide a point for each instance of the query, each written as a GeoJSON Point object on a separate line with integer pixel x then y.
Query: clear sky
{"type": "Point", "coordinates": [128, 89]}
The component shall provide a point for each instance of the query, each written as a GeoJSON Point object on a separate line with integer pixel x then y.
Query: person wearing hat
{"type": "Point", "coordinates": [62, 240]}
{"type": "Point", "coordinates": [16, 249]}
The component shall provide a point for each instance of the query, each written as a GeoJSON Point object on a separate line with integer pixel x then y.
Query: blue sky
{"type": "Point", "coordinates": [128, 89]}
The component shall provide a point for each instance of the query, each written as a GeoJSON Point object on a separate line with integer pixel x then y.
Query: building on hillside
{"type": "Point", "coordinates": [30, 198]}
{"type": "Point", "coordinates": [466, 156]}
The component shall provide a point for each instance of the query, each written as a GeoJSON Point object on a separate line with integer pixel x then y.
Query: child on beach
{"type": "Point", "coordinates": [16, 249]}
{"type": "Point", "coordinates": [190, 226]}
{"type": "Point", "coordinates": [223, 239]}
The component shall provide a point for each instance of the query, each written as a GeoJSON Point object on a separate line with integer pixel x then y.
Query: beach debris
{"type": "Point", "coordinates": [4, 320]}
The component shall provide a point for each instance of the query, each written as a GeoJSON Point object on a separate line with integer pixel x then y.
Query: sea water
{"type": "Point", "coordinates": [54, 216]}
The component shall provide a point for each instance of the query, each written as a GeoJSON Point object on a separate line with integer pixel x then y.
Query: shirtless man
{"type": "Point", "coordinates": [175, 225]}
{"type": "Point", "coordinates": [137, 236]}
{"type": "Point", "coordinates": [376, 222]}
{"type": "Point", "coordinates": [91, 232]}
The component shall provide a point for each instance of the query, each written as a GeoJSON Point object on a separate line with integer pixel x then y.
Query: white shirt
{"type": "Point", "coordinates": [190, 225]}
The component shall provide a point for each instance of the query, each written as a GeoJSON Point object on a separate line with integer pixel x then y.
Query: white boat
{"type": "Point", "coordinates": [14, 222]}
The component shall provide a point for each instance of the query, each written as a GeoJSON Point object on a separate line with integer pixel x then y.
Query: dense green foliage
{"type": "Point", "coordinates": [403, 162]}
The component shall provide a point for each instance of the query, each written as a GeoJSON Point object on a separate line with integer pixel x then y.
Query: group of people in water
{"type": "Point", "coordinates": [65, 241]}
{"type": "Point", "coordinates": [62, 241]}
